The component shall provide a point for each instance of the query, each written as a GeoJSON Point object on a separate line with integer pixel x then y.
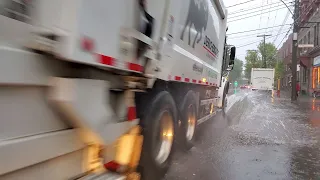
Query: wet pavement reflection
{"type": "Point", "coordinates": [259, 137]}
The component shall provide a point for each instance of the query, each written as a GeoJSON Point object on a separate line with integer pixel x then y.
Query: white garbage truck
{"type": "Point", "coordinates": [105, 89]}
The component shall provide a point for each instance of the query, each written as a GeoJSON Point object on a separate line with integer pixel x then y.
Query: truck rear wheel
{"type": "Point", "coordinates": [159, 128]}
{"type": "Point", "coordinates": [188, 111]}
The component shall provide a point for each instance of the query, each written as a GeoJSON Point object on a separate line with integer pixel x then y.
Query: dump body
{"type": "Point", "coordinates": [70, 70]}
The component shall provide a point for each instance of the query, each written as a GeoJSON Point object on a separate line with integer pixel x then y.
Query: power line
{"type": "Point", "coordinates": [269, 16]}
{"type": "Point", "coordinates": [240, 3]}
{"type": "Point", "coordinates": [254, 42]}
{"type": "Point", "coordinates": [261, 13]}
{"type": "Point", "coordinates": [248, 35]}
{"type": "Point", "coordinates": [248, 44]}
{"type": "Point", "coordinates": [286, 6]}
{"type": "Point", "coordinates": [253, 15]}
{"type": "Point", "coordinates": [284, 37]}
{"type": "Point", "coordinates": [282, 7]}
{"type": "Point", "coordinates": [274, 22]}
{"type": "Point", "coordinates": [264, 49]}
{"type": "Point", "coordinates": [284, 21]}
{"type": "Point", "coordinates": [258, 29]}
{"type": "Point", "coordinates": [258, 7]}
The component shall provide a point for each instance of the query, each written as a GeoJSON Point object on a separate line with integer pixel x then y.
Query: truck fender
{"type": "Point", "coordinates": [223, 89]}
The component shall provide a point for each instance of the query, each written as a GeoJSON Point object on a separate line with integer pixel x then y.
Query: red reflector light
{"type": "Point", "coordinates": [87, 44]}
{"type": "Point", "coordinates": [177, 78]}
{"type": "Point", "coordinates": [135, 67]}
{"type": "Point", "coordinates": [107, 60]}
{"type": "Point", "coordinates": [132, 113]}
{"type": "Point", "coordinates": [112, 166]}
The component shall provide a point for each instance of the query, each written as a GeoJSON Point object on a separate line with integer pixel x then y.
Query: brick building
{"type": "Point", "coordinates": [285, 54]}
{"type": "Point", "coordinates": [309, 74]}
{"type": "Point", "coordinates": [309, 57]}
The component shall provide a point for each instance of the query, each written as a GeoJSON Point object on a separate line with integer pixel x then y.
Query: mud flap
{"type": "Point", "coordinates": [83, 102]}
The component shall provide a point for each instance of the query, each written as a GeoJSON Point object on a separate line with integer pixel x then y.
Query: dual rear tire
{"type": "Point", "coordinates": [159, 125]}
{"type": "Point", "coordinates": [188, 117]}
{"type": "Point", "coordinates": [160, 129]}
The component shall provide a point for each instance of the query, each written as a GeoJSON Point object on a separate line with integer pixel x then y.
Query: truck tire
{"type": "Point", "coordinates": [188, 109]}
{"type": "Point", "coordinates": [224, 102]}
{"type": "Point", "coordinates": [159, 129]}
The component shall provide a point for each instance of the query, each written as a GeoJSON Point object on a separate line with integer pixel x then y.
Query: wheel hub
{"type": "Point", "coordinates": [165, 137]}
{"type": "Point", "coordinates": [191, 124]}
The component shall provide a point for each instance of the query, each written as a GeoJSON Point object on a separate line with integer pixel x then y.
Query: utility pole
{"type": "Point", "coordinates": [294, 51]}
{"type": "Point", "coordinates": [264, 61]}
{"type": "Point", "coordinates": [255, 59]}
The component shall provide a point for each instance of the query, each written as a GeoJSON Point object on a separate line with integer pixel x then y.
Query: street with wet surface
{"type": "Point", "coordinates": [259, 137]}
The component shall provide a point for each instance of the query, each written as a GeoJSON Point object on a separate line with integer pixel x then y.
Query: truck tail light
{"type": "Point", "coordinates": [112, 166]}
{"type": "Point", "coordinates": [132, 113]}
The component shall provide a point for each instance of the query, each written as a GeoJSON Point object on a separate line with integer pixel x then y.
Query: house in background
{"type": "Point", "coordinates": [309, 57]}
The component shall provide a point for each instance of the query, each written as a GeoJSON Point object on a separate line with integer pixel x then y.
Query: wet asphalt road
{"type": "Point", "coordinates": [258, 138]}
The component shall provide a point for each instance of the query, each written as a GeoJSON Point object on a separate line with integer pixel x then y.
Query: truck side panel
{"type": "Point", "coordinates": [32, 131]}
{"type": "Point", "coordinates": [29, 104]}
{"type": "Point", "coordinates": [101, 21]}
{"type": "Point", "coordinates": [196, 59]}
{"type": "Point", "coordinates": [61, 167]}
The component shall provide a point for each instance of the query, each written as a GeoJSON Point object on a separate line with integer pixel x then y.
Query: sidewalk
{"type": "Point", "coordinates": [287, 94]}
{"type": "Point", "coordinates": [307, 103]}
{"type": "Point", "coordinates": [304, 101]}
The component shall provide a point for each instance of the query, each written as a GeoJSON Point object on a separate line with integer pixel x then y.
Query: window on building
{"type": "Point", "coordinates": [309, 40]}
{"type": "Point", "coordinates": [304, 42]}
{"type": "Point", "coordinates": [304, 80]}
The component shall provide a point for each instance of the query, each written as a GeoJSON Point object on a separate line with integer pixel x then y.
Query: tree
{"type": "Point", "coordinates": [279, 70]}
{"type": "Point", "coordinates": [252, 61]}
{"type": "Point", "coordinates": [254, 58]}
{"type": "Point", "coordinates": [270, 51]}
{"type": "Point", "coordinates": [236, 73]}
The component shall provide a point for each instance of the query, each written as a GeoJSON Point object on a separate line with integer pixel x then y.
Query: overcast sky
{"type": "Point", "coordinates": [272, 14]}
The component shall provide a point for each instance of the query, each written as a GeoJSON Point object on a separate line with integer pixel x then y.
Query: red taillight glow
{"type": "Point", "coordinates": [112, 166]}
{"type": "Point", "coordinates": [132, 113]}
{"type": "Point", "coordinates": [87, 44]}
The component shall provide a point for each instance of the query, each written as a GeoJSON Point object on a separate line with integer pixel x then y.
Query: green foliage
{"type": "Point", "coordinates": [236, 73]}
{"type": "Point", "coordinates": [254, 58]}
{"type": "Point", "coordinates": [252, 61]}
{"type": "Point", "coordinates": [270, 52]}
